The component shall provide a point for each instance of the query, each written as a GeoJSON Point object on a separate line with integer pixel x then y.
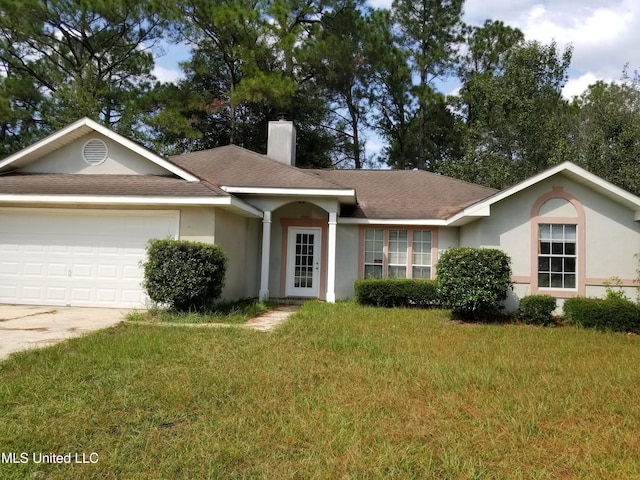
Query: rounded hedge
{"type": "Point", "coordinates": [537, 309]}
{"type": "Point", "coordinates": [473, 282]}
{"type": "Point", "coordinates": [184, 275]}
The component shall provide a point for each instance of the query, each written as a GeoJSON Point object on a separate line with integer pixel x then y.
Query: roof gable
{"type": "Point", "coordinates": [34, 157]}
{"type": "Point", "coordinates": [572, 171]}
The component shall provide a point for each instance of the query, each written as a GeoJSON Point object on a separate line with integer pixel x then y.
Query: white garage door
{"type": "Point", "coordinates": [77, 257]}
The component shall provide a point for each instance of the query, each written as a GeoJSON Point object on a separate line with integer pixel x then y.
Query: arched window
{"type": "Point", "coordinates": [557, 236]}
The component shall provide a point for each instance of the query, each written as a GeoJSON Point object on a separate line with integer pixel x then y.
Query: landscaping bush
{"type": "Point", "coordinates": [537, 309]}
{"type": "Point", "coordinates": [397, 293]}
{"type": "Point", "coordinates": [473, 282]}
{"type": "Point", "coordinates": [616, 314]}
{"type": "Point", "coordinates": [182, 275]}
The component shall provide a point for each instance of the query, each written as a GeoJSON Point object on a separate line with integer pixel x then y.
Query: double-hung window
{"type": "Point", "coordinates": [397, 253]}
{"type": "Point", "coordinates": [557, 256]}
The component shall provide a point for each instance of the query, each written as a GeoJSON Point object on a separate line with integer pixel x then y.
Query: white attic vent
{"type": "Point", "coordinates": [95, 152]}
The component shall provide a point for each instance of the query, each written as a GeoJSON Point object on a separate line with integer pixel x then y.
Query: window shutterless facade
{"type": "Point", "coordinates": [557, 256]}
{"type": "Point", "coordinates": [397, 253]}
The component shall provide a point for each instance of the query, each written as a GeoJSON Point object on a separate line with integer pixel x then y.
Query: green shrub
{"type": "Point", "coordinates": [616, 314]}
{"type": "Point", "coordinates": [397, 293]}
{"type": "Point", "coordinates": [473, 282]}
{"type": "Point", "coordinates": [184, 275]}
{"type": "Point", "coordinates": [537, 309]}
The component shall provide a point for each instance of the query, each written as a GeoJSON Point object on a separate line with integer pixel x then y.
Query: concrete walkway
{"type": "Point", "coordinates": [271, 319]}
{"type": "Point", "coordinates": [263, 323]}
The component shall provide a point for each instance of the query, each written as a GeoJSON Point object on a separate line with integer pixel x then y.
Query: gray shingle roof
{"type": "Point", "coordinates": [405, 194]}
{"type": "Point", "coordinates": [381, 194]}
{"type": "Point", "coordinates": [120, 185]}
{"type": "Point", "coordinates": [234, 166]}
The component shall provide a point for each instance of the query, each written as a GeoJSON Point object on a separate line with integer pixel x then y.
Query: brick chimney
{"type": "Point", "coordinates": [281, 142]}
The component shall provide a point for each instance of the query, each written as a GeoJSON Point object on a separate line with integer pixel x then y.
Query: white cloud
{"type": "Point", "coordinates": [166, 75]}
{"type": "Point", "coordinates": [576, 86]}
{"type": "Point", "coordinates": [604, 34]}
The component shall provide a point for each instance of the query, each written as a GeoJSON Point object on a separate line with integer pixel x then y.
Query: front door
{"type": "Point", "coordinates": [303, 262]}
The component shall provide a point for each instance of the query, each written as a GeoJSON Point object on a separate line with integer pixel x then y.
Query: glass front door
{"type": "Point", "coordinates": [303, 262]}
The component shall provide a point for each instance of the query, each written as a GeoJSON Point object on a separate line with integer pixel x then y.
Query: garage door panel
{"type": "Point", "coordinates": [9, 268]}
{"type": "Point", "coordinates": [75, 258]}
{"type": "Point", "coordinates": [33, 270]}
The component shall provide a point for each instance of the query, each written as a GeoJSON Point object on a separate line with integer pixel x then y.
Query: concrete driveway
{"type": "Point", "coordinates": [25, 326]}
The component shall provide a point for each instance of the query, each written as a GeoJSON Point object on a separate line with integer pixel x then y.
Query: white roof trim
{"type": "Point", "coordinates": [394, 221]}
{"type": "Point", "coordinates": [86, 122]}
{"type": "Point", "coordinates": [127, 200]}
{"type": "Point", "coordinates": [483, 207]}
{"type": "Point", "coordinates": [316, 192]}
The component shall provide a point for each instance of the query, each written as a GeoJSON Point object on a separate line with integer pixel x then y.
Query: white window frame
{"type": "Point", "coordinates": [407, 254]}
{"type": "Point", "coordinates": [560, 258]}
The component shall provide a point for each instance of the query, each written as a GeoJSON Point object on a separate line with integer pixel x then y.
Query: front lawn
{"type": "Point", "coordinates": [339, 391]}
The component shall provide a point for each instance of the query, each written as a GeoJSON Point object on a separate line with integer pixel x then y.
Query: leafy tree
{"type": "Point", "coordinates": [608, 131]}
{"type": "Point", "coordinates": [517, 122]}
{"type": "Point", "coordinates": [66, 59]}
{"type": "Point", "coordinates": [393, 104]}
{"type": "Point", "coordinates": [429, 32]}
{"type": "Point", "coordinates": [344, 70]}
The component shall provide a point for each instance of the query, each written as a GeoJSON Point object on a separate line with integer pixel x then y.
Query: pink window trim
{"type": "Point", "coordinates": [385, 249]}
{"type": "Point", "coordinates": [579, 221]}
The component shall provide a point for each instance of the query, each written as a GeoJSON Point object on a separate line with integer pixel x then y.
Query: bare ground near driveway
{"type": "Point", "coordinates": [23, 326]}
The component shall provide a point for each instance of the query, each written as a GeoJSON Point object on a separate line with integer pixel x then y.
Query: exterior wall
{"type": "Point", "coordinates": [608, 237]}
{"type": "Point", "coordinates": [120, 160]}
{"type": "Point", "coordinates": [347, 264]}
{"type": "Point", "coordinates": [197, 224]}
{"type": "Point", "coordinates": [232, 233]}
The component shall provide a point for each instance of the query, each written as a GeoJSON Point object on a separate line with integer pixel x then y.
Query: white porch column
{"type": "Point", "coordinates": [331, 258]}
{"type": "Point", "coordinates": [266, 253]}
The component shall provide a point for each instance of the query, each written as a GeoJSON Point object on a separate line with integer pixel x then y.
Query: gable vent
{"type": "Point", "coordinates": [94, 152]}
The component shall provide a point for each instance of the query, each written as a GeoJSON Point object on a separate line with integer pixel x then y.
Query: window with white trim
{"type": "Point", "coordinates": [373, 252]}
{"type": "Point", "coordinates": [421, 261]}
{"type": "Point", "coordinates": [397, 253]}
{"type": "Point", "coordinates": [397, 265]}
{"type": "Point", "coordinates": [557, 256]}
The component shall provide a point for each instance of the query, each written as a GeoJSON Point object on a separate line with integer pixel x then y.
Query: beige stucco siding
{"type": "Point", "coordinates": [234, 234]}
{"type": "Point", "coordinates": [611, 236]}
{"type": "Point", "coordinates": [120, 161]}
{"type": "Point", "coordinates": [347, 259]}
{"type": "Point", "coordinates": [197, 224]}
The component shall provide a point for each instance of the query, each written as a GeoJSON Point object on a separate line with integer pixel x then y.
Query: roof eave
{"type": "Point", "coordinates": [227, 202]}
{"type": "Point", "coordinates": [345, 196]}
{"type": "Point", "coordinates": [392, 221]}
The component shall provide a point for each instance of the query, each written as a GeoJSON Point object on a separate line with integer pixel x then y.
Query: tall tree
{"type": "Point", "coordinates": [430, 30]}
{"type": "Point", "coordinates": [344, 70]}
{"type": "Point", "coordinates": [608, 131]}
{"type": "Point", "coordinates": [83, 58]}
{"type": "Point", "coordinates": [227, 35]}
{"type": "Point", "coordinates": [520, 122]}
{"type": "Point", "coordinates": [393, 103]}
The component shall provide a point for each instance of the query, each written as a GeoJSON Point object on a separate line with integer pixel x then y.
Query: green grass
{"type": "Point", "coordinates": [232, 313]}
{"type": "Point", "coordinates": [338, 391]}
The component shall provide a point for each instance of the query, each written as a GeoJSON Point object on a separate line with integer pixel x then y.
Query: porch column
{"type": "Point", "coordinates": [266, 253]}
{"type": "Point", "coordinates": [331, 258]}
